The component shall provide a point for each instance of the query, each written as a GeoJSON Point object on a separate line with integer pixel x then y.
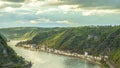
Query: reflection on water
{"type": "Point", "coordinates": [46, 60]}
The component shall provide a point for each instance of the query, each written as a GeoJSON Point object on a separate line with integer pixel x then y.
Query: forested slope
{"type": "Point", "coordinates": [8, 58]}
{"type": "Point", "coordinates": [96, 40]}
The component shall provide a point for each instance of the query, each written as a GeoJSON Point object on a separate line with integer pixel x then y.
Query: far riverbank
{"type": "Point", "coordinates": [94, 59]}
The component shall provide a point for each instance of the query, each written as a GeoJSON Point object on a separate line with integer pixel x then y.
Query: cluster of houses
{"type": "Point", "coordinates": [61, 52]}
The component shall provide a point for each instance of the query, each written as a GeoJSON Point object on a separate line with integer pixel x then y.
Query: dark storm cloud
{"type": "Point", "coordinates": [88, 4]}
{"type": "Point", "coordinates": [10, 5]}
{"type": "Point", "coordinates": [14, 0]}
{"type": "Point", "coordinates": [103, 4]}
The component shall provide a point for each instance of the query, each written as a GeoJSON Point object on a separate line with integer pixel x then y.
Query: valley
{"type": "Point", "coordinates": [97, 41]}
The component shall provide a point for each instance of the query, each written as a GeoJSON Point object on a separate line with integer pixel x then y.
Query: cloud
{"type": "Point", "coordinates": [9, 4]}
{"type": "Point", "coordinates": [68, 23]}
{"type": "Point", "coordinates": [41, 3]}
{"type": "Point", "coordinates": [41, 11]}
{"type": "Point", "coordinates": [9, 9]}
{"type": "Point", "coordinates": [101, 4]}
{"type": "Point", "coordinates": [32, 4]}
{"type": "Point", "coordinates": [61, 8]}
{"type": "Point", "coordinates": [33, 22]}
{"type": "Point", "coordinates": [64, 22]}
{"type": "Point", "coordinates": [43, 6]}
{"type": "Point", "coordinates": [66, 12]}
{"type": "Point", "coordinates": [54, 2]}
{"type": "Point", "coordinates": [41, 20]}
{"type": "Point", "coordinates": [87, 4]}
{"type": "Point", "coordinates": [66, 8]}
{"type": "Point", "coordinates": [98, 12]}
{"type": "Point", "coordinates": [74, 9]}
{"type": "Point", "coordinates": [14, 0]}
{"type": "Point", "coordinates": [44, 20]}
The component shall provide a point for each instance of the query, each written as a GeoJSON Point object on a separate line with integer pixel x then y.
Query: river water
{"type": "Point", "coordinates": [47, 60]}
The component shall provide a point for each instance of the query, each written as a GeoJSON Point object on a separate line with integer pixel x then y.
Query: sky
{"type": "Point", "coordinates": [58, 13]}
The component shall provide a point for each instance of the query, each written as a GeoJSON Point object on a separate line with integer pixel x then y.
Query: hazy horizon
{"type": "Point", "coordinates": [57, 27]}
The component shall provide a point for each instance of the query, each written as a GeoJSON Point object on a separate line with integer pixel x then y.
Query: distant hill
{"type": "Point", "coordinates": [15, 33]}
{"type": "Point", "coordinates": [23, 32]}
{"type": "Point", "coordinates": [96, 40]}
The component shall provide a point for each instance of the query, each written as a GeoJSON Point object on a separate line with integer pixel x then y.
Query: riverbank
{"type": "Point", "coordinates": [27, 64]}
{"type": "Point", "coordinates": [94, 59]}
{"type": "Point", "coordinates": [42, 59]}
{"type": "Point", "coordinates": [14, 65]}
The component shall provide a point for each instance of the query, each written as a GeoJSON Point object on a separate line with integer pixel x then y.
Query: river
{"type": "Point", "coordinates": [47, 60]}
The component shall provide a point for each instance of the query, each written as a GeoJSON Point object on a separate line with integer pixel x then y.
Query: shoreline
{"type": "Point", "coordinates": [87, 59]}
{"type": "Point", "coordinates": [90, 58]}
